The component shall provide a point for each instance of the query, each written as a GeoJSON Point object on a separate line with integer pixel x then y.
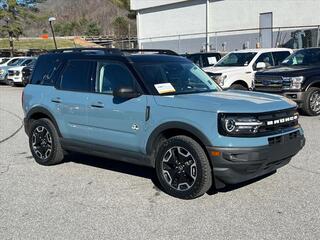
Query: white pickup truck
{"type": "Point", "coordinates": [236, 70]}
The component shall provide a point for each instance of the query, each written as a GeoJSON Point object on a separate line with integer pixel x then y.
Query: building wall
{"type": "Point", "coordinates": [168, 26]}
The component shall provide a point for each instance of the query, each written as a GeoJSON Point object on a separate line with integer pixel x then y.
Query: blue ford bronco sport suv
{"type": "Point", "coordinates": [157, 110]}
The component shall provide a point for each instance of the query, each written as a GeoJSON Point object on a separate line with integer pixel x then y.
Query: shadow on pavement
{"type": "Point", "coordinates": [116, 166]}
{"type": "Point", "coordinates": [144, 172]}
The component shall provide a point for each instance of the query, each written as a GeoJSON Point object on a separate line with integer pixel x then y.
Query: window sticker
{"type": "Point", "coordinates": [163, 88]}
{"type": "Point", "coordinates": [212, 60]}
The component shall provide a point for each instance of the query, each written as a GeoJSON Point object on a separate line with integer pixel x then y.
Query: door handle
{"type": "Point", "coordinates": [97, 105]}
{"type": "Point", "coordinates": [56, 100]}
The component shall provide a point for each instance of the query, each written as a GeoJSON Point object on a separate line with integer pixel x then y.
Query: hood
{"type": "Point", "coordinates": [231, 101]}
{"type": "Point", "coordinates": [225, 69]}
{"type": "Point", "coordinates": [18, 68]}
{"type": "Point", "coordinates": [290, 70]}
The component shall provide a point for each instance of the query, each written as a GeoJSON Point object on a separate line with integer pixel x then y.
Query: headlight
{"type": "Point", "coordinates": [239, 125]}
{"type": "Point", "coordinates": [295, 82]}
{"type": "Point", "coordinates": [220, 79]}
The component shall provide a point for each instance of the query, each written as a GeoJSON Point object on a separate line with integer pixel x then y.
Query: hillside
{"type": "Point", "coordinates": [82, 17]}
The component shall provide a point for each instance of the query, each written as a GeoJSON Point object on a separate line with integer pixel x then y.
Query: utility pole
{"type": "Point", "coordinates": [10, 34]}
{"type": "Point", "coordinates": [52, 19]}
{"type": "Point", "coordinates": [207, 25]}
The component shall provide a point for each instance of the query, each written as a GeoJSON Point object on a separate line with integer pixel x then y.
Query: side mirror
{"type": "Point", "coordinates": [125, 93]}
{"type": "Point", "coordinates": [261, 65]}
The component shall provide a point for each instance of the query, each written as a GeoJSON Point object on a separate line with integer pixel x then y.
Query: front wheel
{"type": "Point", "coordinates": [44, 142]}
{"type": "Point", "coordinates": [183, 168]}
{"type": "Point", "coordinates": [311, 104]}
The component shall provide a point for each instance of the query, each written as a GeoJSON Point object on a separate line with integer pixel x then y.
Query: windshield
{"type": "Point", "coordinates": [236, 59]}
{"type": "Point", "coordinates": [16, 62]}
{"type": "Point", "coordinates": [303, 58]}
{"type": "Point", "coordinates": [176, 78]}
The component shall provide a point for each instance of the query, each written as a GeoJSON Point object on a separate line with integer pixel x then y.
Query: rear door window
{"type": "Point", "coordinates": [76, 76]}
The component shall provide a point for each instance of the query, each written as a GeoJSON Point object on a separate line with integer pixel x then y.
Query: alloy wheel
{"type": "Point", "coordinates": [315, 101]}
{"type": "Point", "coordinates": [42, 142]}
{"type": "Point", "coordinates": [179, 168]}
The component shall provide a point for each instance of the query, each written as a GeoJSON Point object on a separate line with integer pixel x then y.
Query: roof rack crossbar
{"type": "Point", "coordinates": [83, 50]}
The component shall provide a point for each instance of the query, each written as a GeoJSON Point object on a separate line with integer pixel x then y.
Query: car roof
{"type": "Point", "coordinates": [135, 58]}
{"type": "Point", "coordinates": [261, 50]}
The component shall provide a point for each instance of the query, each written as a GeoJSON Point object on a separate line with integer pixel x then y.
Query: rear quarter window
{"type": "Point", "coordinates": [45, 70]}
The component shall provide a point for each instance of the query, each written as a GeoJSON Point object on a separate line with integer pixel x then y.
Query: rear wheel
{"type": "Point", "coordinates": [238, 87]}
{"type": "Point", "coordinates": [44, 142]}
{"type": "Point", "coordinates": [183, 168]}
{"type": "Point", "coordinates": [311, 104]}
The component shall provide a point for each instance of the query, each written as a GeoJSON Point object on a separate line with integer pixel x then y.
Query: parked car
{"type": "Point", "coordinates": [204, 60]}
{"type": "Point", "coordinates": [297, 78]}
{"type": "Point", "coordinates": [26, 75]}
{"type": "Point", "coordinates": [236, 70]}
{"type": "Point", "coordinates": [13, 62]}
{"type": "Point", "coordinates": [15, 76]}
{"type": "Point", "coordinates": [160, 111]}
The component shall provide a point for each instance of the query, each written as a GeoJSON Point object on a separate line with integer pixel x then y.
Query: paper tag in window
{"type": "Point", "coordinates": [212, 60]}
{"type": "Point", "coordinates": [163, 88]}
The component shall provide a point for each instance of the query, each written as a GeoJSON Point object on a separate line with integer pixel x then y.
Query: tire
{"type": "Point", "coordinates": [183, 161]}
{"type": "Point", "coordinates": [238, 87]}
{"type": "Point", "coordinates": [311, 102]}
{"type": "Point", "coordinates": [44, 142]}
{"type": "Point", "coordinates": [11, 83]}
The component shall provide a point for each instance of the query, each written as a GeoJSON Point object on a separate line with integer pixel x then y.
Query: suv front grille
{"type": "Point", "coordinates": [10, 73]}
{"type": "Point", "coordinates": [270, 83]}
{"type": "Point", "coordinates": [278, 121]}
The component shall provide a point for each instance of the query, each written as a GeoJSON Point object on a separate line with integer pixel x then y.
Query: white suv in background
{"type": "Point", "coordinates": [236, 70]}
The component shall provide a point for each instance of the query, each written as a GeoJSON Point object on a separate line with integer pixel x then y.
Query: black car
{"type": "Point", "coordinates": [26, 75]}
{"type": "Point", "coordinates": [204, 60]}
{"type": "Point", "coordinates": [297, 78]}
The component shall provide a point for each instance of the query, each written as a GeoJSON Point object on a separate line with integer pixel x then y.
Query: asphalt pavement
{"type": "Point", "coordinates": [93, 198]}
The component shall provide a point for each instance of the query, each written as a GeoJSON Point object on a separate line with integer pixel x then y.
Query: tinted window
{"type": "Point", "coordinates": [195, 58]}
{"type": "Point", "coordinates": [265, 58]}
{"type": "Point", "coordinates": [45, 69]}
{"type": "Point", "coordinates": [304, 57]}
{"type": "Point", "coordinates": [278, 57]}
{"type": "Point", "coordinates": [15, 61]}
{"type": "Point", "coordinates": [76, 76]}
{"type": "Point", "coordinates": [111, 76]}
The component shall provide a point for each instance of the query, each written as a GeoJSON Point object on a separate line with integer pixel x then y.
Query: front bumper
{"type": "Point", "coordinates": [236, 165]}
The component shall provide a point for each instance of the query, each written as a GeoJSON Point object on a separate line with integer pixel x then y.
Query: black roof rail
{"type": "Point", "coordinates": [158, 51]}
{"type": "Point", "coordinates": [115, 51]}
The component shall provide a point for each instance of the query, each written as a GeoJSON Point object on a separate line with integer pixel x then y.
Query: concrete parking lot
{"type": "Point", "coordinates": [94, 198]}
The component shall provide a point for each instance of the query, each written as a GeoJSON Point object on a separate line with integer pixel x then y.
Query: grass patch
{"type": "Point", "coordinates": [46, 44]}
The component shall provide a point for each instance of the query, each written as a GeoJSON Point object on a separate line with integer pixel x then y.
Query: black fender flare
{"type": "Point", "coordinates": [44, 111]}
{"type": "Point", "coordinates": [174, 126]}
{"type": "Point", "coordinates": [311, 83]}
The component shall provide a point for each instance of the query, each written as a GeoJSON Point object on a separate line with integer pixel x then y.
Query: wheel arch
{"type": "Point", "coordinates": [37, 113]}
{"type": "Point", "coordinates": [241, 82]}
{"type": "Point", "coordinates": [315, 83]}
{"type": "Point", "coordinates": [171, 129]}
